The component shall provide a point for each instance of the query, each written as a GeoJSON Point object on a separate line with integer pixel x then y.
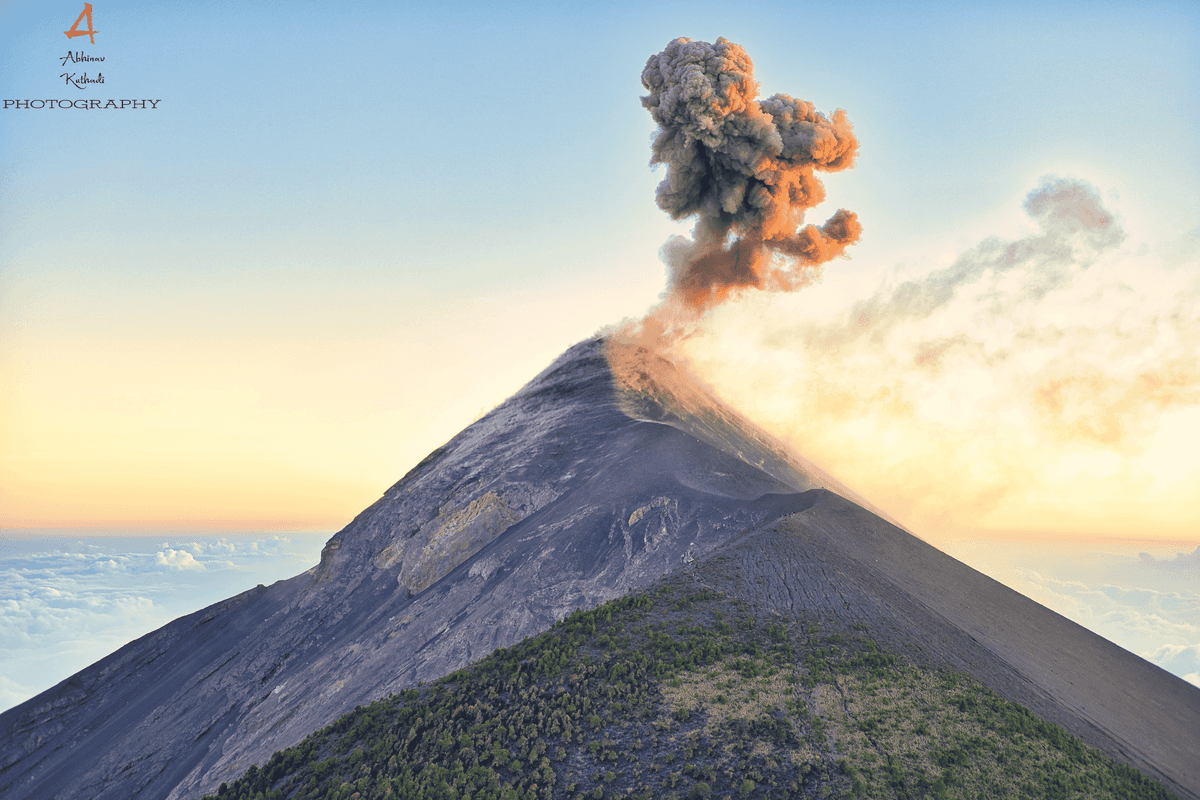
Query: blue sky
{"type": "Point", "coordinates": [343, 234]}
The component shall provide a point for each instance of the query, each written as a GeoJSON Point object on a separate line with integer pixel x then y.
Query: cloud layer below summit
{"type": "Point", "coordinates": [67, 602]}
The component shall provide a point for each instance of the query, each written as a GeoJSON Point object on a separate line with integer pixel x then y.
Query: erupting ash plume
{"type": "Point", "coordinates": [745, 168]}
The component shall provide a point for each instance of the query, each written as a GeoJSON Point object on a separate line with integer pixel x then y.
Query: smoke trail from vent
{"type": "Point", "coordinates": [1031, 383]}
{"type": "Point", "coordinates": [744, 168]}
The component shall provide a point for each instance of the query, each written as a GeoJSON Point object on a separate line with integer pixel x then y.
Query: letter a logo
{"type": "Point", "coordinates": [91, 34]}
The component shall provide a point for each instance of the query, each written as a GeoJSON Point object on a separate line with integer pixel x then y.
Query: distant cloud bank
{"type": "Point", "coordinates": [65, 603]}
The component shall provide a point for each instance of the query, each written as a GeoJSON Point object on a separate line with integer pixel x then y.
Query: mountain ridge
{"type": "Point", "coordinates": [683, 690]}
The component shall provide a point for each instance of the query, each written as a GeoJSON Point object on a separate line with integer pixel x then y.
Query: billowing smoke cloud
{"type": "Point", "coordinates": [1026, 385]}
{"type": "Point", "coordinates": [744, 168]}
{"type": "Point", "coordinates": [1023, 386]}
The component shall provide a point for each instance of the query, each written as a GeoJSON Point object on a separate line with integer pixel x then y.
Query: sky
{"type": "Point", "coordinates": [343, 234]}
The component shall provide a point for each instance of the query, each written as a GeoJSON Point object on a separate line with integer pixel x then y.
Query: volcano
{"type": "Point", "coordinates": [608, 471]}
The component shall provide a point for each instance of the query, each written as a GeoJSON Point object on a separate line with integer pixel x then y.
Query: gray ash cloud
{"type": "Point", "coordinates": [745, 169]}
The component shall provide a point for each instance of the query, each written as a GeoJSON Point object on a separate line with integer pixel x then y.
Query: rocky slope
{"type": "Point", "coordinates": [842, 564]}
{"type": "Point", "coordinates": [556, 500]}
{"type": "Point", "coordinates": [595, 480]}
{"type": "Point", "coordinates": [682, 691]}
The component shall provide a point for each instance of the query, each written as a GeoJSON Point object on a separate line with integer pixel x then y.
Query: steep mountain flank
{"type": "Point", "coordinates": [824, 653]}
{"type": "Point", "coordinates": [556, 500]}
{"type": "Point", "coordinates": [592, 482]}
{"type": "Point", "coordinates": [842, 565]}
{"type": "Point", "coordinates": [682, 691]}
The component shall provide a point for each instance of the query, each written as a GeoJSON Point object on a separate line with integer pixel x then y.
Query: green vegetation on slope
{"type": "Point", "coordinates": [683, 694]}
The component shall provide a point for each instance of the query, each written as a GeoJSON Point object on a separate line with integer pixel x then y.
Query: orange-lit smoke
{"type": "Point", "coordinates": [744, 168]}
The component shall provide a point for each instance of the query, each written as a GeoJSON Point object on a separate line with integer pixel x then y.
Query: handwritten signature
{"type": "Point", "coordinates": [81, 81]}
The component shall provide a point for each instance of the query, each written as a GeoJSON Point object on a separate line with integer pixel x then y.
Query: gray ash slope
{"type": "Point", "coordinates": [844, 566]}
{"type": "Point", "coordinates": [569, 494]}
{"type": "Point", "coordinates": [556, 500]}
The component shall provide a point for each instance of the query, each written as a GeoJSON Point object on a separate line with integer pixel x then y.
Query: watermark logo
{"type": "Point", "coordinates": [80, 81]}
{"type": "Point", "coordinates": [90, 32]}
{"type": "Point", "coordinates": [72, 78]}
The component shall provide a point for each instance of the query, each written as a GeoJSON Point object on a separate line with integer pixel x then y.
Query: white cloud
{"type": "Point", "coordinates": [180, 559]}
{"type": "Point", "coordinates": [1181, 660]}
{"type": "Point", "coordinates": [1189, 561]}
